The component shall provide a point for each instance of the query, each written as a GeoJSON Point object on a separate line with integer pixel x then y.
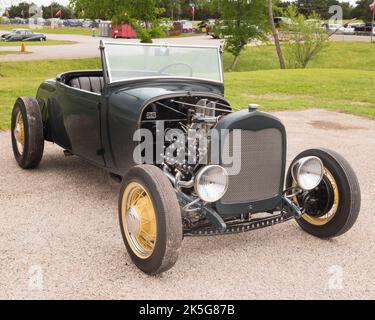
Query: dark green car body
{"type": "Point", "coordinates": [98, 120]}
{"type": "Point", "coordinates": [100, 127]}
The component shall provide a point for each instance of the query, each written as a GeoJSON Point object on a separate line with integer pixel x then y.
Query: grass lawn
{"type": "Point", "coordinates": [186, 35]}
{"type": "Point", "coordinates": [48, 30]}
{"type": "Point", "coordinates": [343, 55]}
{"type": "Point", "coordinates": [22, 78]}
{"type": "Point", "coordinates": [9, 52]}
{"type": "Point", "coordinates": [35, 43]}
{"type": "Point", "coordinates": [336, 89]}
{"type": "Point", "coordinates": [341, 78]}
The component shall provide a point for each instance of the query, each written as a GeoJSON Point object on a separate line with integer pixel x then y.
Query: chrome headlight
{"type": "Point", "coordinates": [308, 172]}
{"type": "Point", "coordinates": [211, 183]}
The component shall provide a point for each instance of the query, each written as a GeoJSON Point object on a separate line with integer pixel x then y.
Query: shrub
{"type": "Point", "coordinates": [145, 36]}
{"type": "Point", "coordinates": [304, 38]}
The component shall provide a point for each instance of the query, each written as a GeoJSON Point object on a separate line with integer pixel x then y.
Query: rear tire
{"type": "Point", "coordinates": [345, 196]}
{"type": "Point", "coordinates": [148, 205]}
{"type": "Point", "coordinates": [27, 133]}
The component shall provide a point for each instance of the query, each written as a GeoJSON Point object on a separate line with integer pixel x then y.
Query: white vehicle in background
{"type": "Point", "coordinates": [40, 21]}
{"type": "Point", "coordinates": [340, 29]}
{"type": "Point", "coordinates": [187, 26]}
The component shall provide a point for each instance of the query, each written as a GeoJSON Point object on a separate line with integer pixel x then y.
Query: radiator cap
{"type": "Point", "coordinates": [253, 107]}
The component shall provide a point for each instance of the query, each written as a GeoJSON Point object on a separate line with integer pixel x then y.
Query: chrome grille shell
{"type": "Point", "coordinates": [259, 185]}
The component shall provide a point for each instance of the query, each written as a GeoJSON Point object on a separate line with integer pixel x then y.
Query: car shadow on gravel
{"type": "Point", "coordinates": [78, 171]}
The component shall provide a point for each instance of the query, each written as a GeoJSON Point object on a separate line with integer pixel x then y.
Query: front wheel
{"type": "Point", "coordinates": [332, 208]}
{"type": "Point", "coordinates": [150, 219]}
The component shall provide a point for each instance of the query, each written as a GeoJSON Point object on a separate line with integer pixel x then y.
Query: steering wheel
{"type": "Point", "coordinates": [161, 71]}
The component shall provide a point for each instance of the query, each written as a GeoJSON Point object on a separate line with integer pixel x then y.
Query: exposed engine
{"type": "Point", "coordinates": [185, 123]}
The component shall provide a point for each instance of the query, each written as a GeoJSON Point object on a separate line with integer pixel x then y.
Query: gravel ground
{"type": "Point", "coordinates": [59, 234]}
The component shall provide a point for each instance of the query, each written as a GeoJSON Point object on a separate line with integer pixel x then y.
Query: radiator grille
{"type": "Point", "coordinates": [261, 166]}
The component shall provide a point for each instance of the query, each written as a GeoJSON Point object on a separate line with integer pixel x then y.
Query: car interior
{"type": "Point", "coordinates": [93, 81]}
{"type": "Point", "coordinates": [90, 81]}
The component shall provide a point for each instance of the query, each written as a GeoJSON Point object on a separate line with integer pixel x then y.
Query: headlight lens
{"type": "Point", "coordinates": [211, 183]}
{"type": "Point", "coordinates": [308, 172]}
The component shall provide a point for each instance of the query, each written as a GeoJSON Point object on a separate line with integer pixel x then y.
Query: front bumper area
{"type": "Point", "coordinates": [216, 225]}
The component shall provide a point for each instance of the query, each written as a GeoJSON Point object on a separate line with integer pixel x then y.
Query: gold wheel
{"type": "Point", "coordinates": [139, 220]}
{"type": "Point", "coordinates": [19, 132]}
{"type": "Point", "coordinates": [327, 217]}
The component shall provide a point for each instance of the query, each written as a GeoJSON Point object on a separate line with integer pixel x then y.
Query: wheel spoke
{"type": "Point", "coordinates": [142, 238]}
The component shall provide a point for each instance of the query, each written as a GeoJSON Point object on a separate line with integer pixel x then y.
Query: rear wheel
{"type": "Point", "coordinates": [27, 133]}
{"type": "Point", "coordinates": [333, 207]}
{"type": "Point", "coordinates": [150, 219]}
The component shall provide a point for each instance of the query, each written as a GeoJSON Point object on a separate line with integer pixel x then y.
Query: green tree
{"type": "Point", "coordinates": [143, 15]}
{"type": "Point", "coordinates": [304, 38]}
{"type": "Point", "coordinates": [362, 10]}
{"type": "Point", "coordinates": [321, 8]}
{"type": "Point", "coordinates": [147, 11]}
{"type": "Point", "coordinates": [66, 13]}
{"type": "Point", "coordinates": [21, 10]}
{"type": "Point", "coordinates": [242, 22]}
{"type": "Point", "coordinates": [98, 9]}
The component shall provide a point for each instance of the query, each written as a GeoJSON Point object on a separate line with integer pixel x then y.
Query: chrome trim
{"type": "Point", "coordinates": [165, 44]}
{"type": "Point", "coordinates": [202, 171]}
{"type": "Point", "coordinates": [297, 167]}
{"type": "Point", "coordinates": [107, 67]}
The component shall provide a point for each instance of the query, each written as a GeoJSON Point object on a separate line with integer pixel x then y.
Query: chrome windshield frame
{"type": "Point", "coordinates": [107, 70]}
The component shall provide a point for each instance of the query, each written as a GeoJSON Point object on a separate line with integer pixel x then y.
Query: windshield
{"type": "Point", "coordinates": [126, 61]}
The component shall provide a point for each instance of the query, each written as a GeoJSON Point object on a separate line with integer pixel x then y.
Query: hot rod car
{"type": "Point", "coordinates": [156, 119]}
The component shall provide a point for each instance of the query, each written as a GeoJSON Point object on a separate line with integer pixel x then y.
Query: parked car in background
{"type": "Point", "coordinates": [217, 31]}
{"type": "Point", "coordinates": [187, 26]}
{"type": "Point", "coordinates": [23, 35]}
{"type": "Point", "coordinates": [31, 21]}
{"type": "Point", "coordinates": [2, 37]}
{"type": "Point", "coordinates": [87, 23]}
{"type": "Point", "coordinates": [176, 29]}
{"type": "Point", "coordinates": [41, 21]}
{"type": "Point", "coordinates": [18, 20]}
{"type": "Point", "coordinates": [96, 23]}
{"type": "Point", "coordinates": [279, 21]}
{"type": "Point", "coordinates": [340, 29]}
{"type": "Point", "coordinates": [206, 25]}
{"type": "Point", "coordinates": [364, 29]}
{"type": "Point", "coordinates": [60, 22]}
{"type": "Point", "coordinates": [72, 23]}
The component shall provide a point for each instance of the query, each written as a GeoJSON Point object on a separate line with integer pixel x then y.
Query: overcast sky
{"type": "Point", "coordinates": [6, 3]}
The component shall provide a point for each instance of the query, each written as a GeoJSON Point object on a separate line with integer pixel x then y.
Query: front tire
{"type": "Point", "coordinates": [27, 133]}
{"type": "Point", "coordinates": [338, 197]}
{"type": "Point", "coordinates": [150, 219]}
